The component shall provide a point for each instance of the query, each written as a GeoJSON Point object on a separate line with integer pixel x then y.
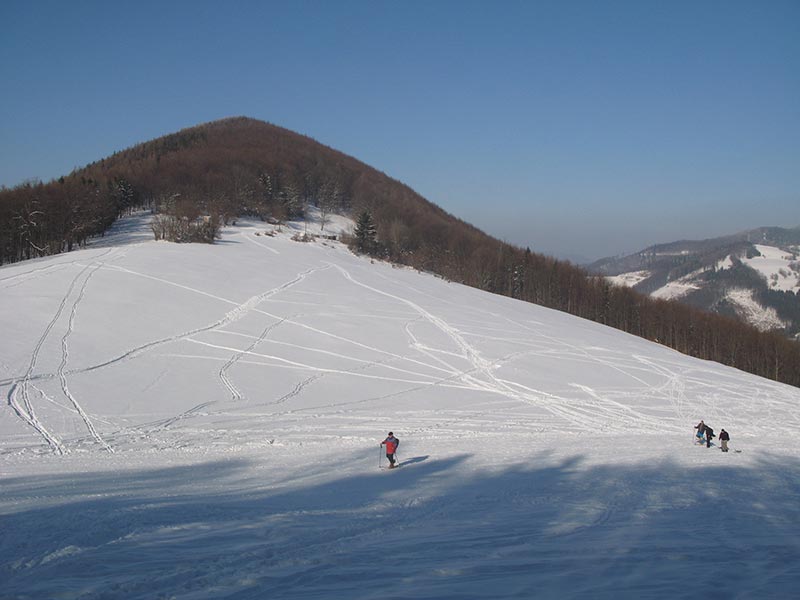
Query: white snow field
{"type": "Point", "coordinates": [203, 421]}
{"type": "Point", "coordinates": [778, 267]}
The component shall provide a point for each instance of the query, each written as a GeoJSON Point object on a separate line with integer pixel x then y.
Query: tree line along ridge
{"type": "Point", "coordinates": [197, 179]}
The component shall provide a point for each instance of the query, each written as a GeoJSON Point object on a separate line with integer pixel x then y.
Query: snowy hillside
{"type": "Point", "coordinates": [757, 283]}
{"type": "Point", "coordinates": [194, 421]}
{"type": "Point", "coordinates": [781, 269]}
{"type": "Point", "coordinates": [778, 269]}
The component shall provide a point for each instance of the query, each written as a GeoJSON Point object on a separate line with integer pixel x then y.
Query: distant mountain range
{"type": "Point", "coordinates": [753, 276]}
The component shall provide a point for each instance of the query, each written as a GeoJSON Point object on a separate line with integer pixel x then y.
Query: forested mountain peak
{"type": "Point", "coordinates": [197, 178]}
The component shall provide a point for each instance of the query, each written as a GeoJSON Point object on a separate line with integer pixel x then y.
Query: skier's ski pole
{"type": "Point", "coordinates": [380, 451]}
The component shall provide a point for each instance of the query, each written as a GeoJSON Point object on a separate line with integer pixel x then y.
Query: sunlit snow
{"type": "Point", "coordinates": [629, 279]}
{"type": "Point", "coordinates": [203, 421]}
{"type": "Point", "coordinates": [779, 268]}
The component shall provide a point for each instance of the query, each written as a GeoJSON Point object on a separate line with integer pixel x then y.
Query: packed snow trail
{"type": "Point", "coordinates": [65, 357]}
{"type": "Point", "coordinates": [589, 416]}
{"type": "Point", "coordinates": [26, 411]}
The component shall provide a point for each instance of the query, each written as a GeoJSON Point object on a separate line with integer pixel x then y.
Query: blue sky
{"type": "Point", "coordinates": [575, 128]}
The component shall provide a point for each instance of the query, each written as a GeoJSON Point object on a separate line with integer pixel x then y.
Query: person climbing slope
{"type": "Point", "coordinates": [709, 436]}
{"type": "Point", "coordinates": [701, 428]}
{"type": "Point", "coordinates": [391, 444]}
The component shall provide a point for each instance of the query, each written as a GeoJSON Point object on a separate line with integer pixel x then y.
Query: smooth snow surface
{"type": "Point", "coordinates": [196, 422]}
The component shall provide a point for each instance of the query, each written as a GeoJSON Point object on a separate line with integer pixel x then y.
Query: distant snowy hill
{"type": "Point", "coordinates": [203, 421]}
{"type": "Point", "coordinates": [753, 276]}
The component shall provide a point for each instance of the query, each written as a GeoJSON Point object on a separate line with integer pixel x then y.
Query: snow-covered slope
{"type": "Point", "coordinates": [781, 269]}
{"type": "Point", "coordinates": [753, 276]}
{"type": "Point", "coordinates": [628, 279]}
{"type": "Point", "coordinates": [191, 421]}
{"type": "Point", "coordinates": [761, 317]}
{"type": "Point", "coordinates": [777, 268]}
{"type": "Point", "coordinates": [678, 288]}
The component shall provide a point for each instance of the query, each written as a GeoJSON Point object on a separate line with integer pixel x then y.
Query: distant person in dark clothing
{"type": "Point", "coordinates": [709, 435]}
{"type": "Point", "coordinates": [724, 438]}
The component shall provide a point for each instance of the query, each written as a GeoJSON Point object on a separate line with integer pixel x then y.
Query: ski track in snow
{"type": "Point", "coordinates": [21, 278]}
{"type": "Point", "coordinates": [468, 352]}
{"type": "Point", "coordinates": [250, 305]}
{"type": "Point", "coordinates": [259, 479]}
{"type": "Point", "coordinates": [281, 362]}
{"type": "Point", "coordinates": [223, 372]}
{"type": "Point", "coordinates": [236, 314]}
{"type": "Point", "coordinates": [328, 353]}
{"type": "Point", "coordinates": [26, 411]}
{"type": "Point", "coordinates": [671, 388]}
{"type": "Point", "coordinates": [65, 357]}
{"type": "Point", "coordinates": [596, 413]}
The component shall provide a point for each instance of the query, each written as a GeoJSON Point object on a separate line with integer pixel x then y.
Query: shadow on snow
{"type": "Point", "coordinates": [555, 528]}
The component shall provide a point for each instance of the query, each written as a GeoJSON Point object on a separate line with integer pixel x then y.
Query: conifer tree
{"type": "Point", "coordinates": [366, 235]}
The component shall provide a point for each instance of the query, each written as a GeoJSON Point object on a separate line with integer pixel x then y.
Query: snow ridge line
{"type": "Point", "coordinates": [65, 356]}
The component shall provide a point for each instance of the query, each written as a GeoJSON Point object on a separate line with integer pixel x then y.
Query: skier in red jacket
{"type": "Point", "coordinates": [391, 444]}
